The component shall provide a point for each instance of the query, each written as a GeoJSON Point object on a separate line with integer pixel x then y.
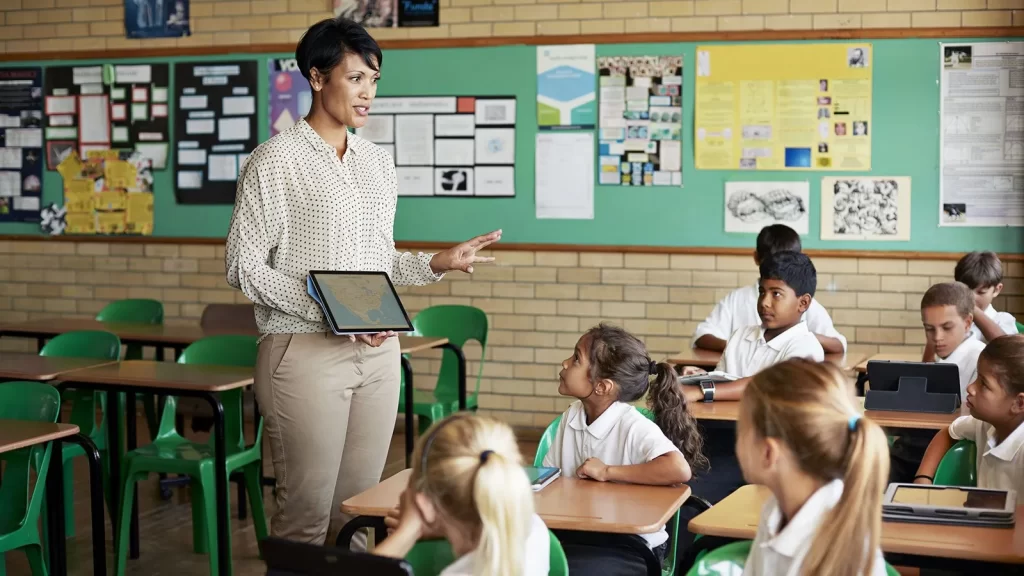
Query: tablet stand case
{"type": "Point", "coordinates": [911, 395]}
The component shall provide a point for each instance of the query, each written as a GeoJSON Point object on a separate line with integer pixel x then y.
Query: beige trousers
{"type": "Point", "coordinates": [330, 408]}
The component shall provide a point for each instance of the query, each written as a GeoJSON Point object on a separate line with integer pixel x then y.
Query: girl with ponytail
{"type": "Point", "coordinates": [603, 438]}
{"type": "Point", "coordinates": [800, 434]}
{"type": "Point", "coordinates": [468, 485]}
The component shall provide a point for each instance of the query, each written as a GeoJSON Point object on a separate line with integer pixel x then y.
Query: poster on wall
{"type": "Point", "coordinates": [641, 120]}
{"type": "Point", "coordinates": [750, 206]}
{"type": "Point", "coordinates": [156, 18]}
{"type": "Point", "coordinates": [783, 107]}
{"type": "Point", "coordinates": [982, 138]}
{"type": "Point", "coordinates": [110, 193]}
{"type": "Point", "coordinates": [869, 208]}
{"type": "Point", "coordinates": [214, 128]}
{"type": "Point", "coordinates": [290, 94]}
{"type": "Point", "coordinates": [389, 13]}
{"type": "Point", "coordinates": [447, 145]}
{"type": "Point", "coordinates": [565, 87]}
{"type": "Point", "coordinates": [107, 107]}
{"type": "Point", "coordinates": [21, 144]}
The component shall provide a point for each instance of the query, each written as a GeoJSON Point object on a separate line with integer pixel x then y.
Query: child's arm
{"type": "Point", "coordinates": [665, 470]}
{"type": "Point", "coordinates": [709, 342]}
{"type": "Point", "coordinates": [937, 448]}
{"type": "Point", "coordinates": [929, 353]}
{"type": "Point", "coordinates": [989, 329]}
{"type": "Point", "coordinates": [830, 345]}
{"type": "Point", "coordinates": [398, 543]}
{"type": "Point", "coordinates": [727, 391]}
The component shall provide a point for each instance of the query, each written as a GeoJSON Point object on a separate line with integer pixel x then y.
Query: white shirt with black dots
{"type": "Point", "coordinates": [298, 208]}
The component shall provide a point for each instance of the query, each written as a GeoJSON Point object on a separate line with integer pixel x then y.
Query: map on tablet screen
{"type": "Point", "coordinates": [359, 302]}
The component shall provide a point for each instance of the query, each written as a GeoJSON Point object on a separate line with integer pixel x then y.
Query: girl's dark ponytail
{"type": "Point", "coordinates": [665, 398]}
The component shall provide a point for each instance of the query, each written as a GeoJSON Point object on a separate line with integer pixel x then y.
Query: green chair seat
{"type": "Point", "coordinates": [431, 557]}
{"type": "Point", "coordinates": [729, 560]}
{"type": "Point", "coordinates": [171, 453]}
{"type": "Point", "coordinates": [959, 466]}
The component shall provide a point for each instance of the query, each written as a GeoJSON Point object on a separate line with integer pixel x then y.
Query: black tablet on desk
{"type": "Point", "coordinates": [358, 302]}
{"type": "Point", "coordinates": [913, 387]}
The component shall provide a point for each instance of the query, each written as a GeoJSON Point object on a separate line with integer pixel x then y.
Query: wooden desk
{"type": "Point", "coordinates": [18, 434]}
{"type": "Point", "coordinates": [708, 359]}
{"type": "Point", "coordinates": [565, 504]}
{"type": "Point", "coordinates": [17, 366]}
{"type": "Point", "coordinates": [862, 366]}
{"type": "Point", "coordinates": [730, 411]}
{"type": "Point", "coordinates": [170, 379]}
{"type": "Point", "coordinates": [737, 516]}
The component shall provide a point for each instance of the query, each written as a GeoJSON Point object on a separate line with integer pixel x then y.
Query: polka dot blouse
{"type": "Point", "coordinates": [298, 208]}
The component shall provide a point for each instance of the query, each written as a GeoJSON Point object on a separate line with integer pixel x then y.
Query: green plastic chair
{"type": "Point", "coordinates": [84, 344]}
{"type": "Point", "coordinates": [172, 454]}
{"type": "Point", "coordinates": [729, 560]}
{"type": "Point", "coordinates": [136, 311]}
{"type": "Point", "coordinates": [431, 557]}
{"type": "Point", "coordinates": [668, 567]}
{"type": "Point", "coordinates": [959, 467]}
{"type": "Point", "coordinates": [1020, 328]}
{"type": "Point", "coordinates": [20, 501]}
{"type": "Point", "coordinates": [458, 324]}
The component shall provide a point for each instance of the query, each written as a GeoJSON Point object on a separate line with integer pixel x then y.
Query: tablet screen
{"type": "Point", "coordinates": [361, 301]}
{"type": "Point", "coordinates": [950, 497]}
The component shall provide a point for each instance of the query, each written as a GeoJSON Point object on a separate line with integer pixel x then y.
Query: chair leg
{"type": "Point", "coordinates": [241, 499]}
{"type": "Point", "coordinates": [210, 520]}
{"type": "Point", "coordinates": [124, 524]}
{"type": "Point", "coordinates": [255, 490]}
{"type": "Point", "coordinates": [69, 494]}
{"type": "Point", "coordinates": [199, 521]}
{"type": "Point", "coordinates": [35, 560]}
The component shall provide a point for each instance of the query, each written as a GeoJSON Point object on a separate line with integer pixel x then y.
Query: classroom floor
{"type": "Point", "coordinates": [165, 527]}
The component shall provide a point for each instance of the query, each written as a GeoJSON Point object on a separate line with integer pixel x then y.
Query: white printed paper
{"type": "Point", "coordinates": [94, 116]}
{"type": "Point", "coordinates": [453, 151]}
{"type": "Point", "coordinates": [454, 125]}
{"type": "Point", "coordinates": [24, 137]}
{"type": "Point", "coordinates": [87, 75]}
{"type": "Point", "coordinates": [223, 167]}
{"type": "Point", "coordinates": [10, 158]}
{"type": "Point", "coordinates": [564, 177]}
{"type": "Point", "coordinates": [869, 208]}
{"type": "Point", "coordinates": [238, 106]}
{"type": "Point", "coordinates": [159, 110]}
{"type": "Point", "coordinates": [155, 152]}
{"type": "Point", "coordinates": [10, 184]}
{"type": "Point", "coordinates": [192, 102]}
{"type": "Point", "coordinates": [495, 111]}
{"type": "Point", "coordinates": [415, 181]}
{"type": "Point", "coordinates": [160, 94]}
{"type": "Point", "coordinates": [671, 155]}
{"type": "Point", "coordinates": [190, 180]}
{"type": "Point", "coordinates": [140, 94]}
{"type": "Point", "coordinates": [119, 134]}
{"type": "Point", "coordinates": [750, 206]}
{"type": "Point", "coordinates": [402, 105]}
{"type": "Point", "coordinates": [119, 112]}
{"type": "Point", "coordinates": [453, 181]}
{"type": "Point", "coordinates": [140, 112]}
{"type": "Point", "coordinates": [414, 141]}
{"type": "Point", "coordinates": [62, 120]}
{"type": "Point", "coordinates": [233, 129]}
{"type": "Point", "coordinates": [139, 74]}
{"type": "Point", "coordinates": [61, 105]}
{"type": "Point", "coordinates": [378, 129]}
{"type": "Point", "coordinates": [200, 126]}
{"type": "Point", "coordinates": [26, 202]}
{"type": "Point", "coordinates": [495, 145]}
{"type": "Point", "coordinates": [192, 157]}
{"type": "Point", "coordinates": [495, 181]}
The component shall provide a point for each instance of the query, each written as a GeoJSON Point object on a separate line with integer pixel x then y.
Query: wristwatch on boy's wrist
{"type": "Point", "coordinates": [708, 388]}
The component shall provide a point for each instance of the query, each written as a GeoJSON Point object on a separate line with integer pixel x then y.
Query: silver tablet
{"type": "Point", "coordinates": [949, 505]}
{"type": "Point", "coordinates": [358, 302]}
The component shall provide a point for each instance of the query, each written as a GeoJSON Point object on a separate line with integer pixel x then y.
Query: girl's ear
{"type": "Point", "coordinates": [771, 454]}
{"type": "Point", "coordinates": [426, 508]}
{"type": "Point", "coordinates": [604, 387]}
{"type": "Point", "coordinates": [1017, 407]}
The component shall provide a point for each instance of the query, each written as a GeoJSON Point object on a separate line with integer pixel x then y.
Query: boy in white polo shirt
{"type": "Point", "coordinates": [785, 291]}
{"type": "Point", "coordinates": [996, 401]}
{"type": "Point", "coordinates": [982, 272]}
{"type": "Point", "coordinates": [739, 308]}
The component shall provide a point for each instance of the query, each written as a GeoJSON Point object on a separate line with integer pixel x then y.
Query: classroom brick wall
{"type": "Point", "coordinates": [538, 303]}
{"type": "Point", "coordinates": [68, 25]}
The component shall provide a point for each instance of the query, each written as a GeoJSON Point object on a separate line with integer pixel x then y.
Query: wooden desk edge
{"type": "Point", "coordinates": [434, 343]}
{"type": "Point", "coordinates": [63, 431]}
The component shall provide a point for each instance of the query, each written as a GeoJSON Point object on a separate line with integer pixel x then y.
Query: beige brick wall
{"type": "Point", "coordinates": [538, 303]}
{"type": "Point", "coordinates": [66, 25]}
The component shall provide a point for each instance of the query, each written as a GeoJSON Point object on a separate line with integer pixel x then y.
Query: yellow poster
{"type": "Point", "coordinates": [139, 214]}
{"type": "Point", "coordinates": [80, 223]}
{"type": "Point", "coordinates": [783, 107]}
{"type": "Point", "coordinates": [110, 193]}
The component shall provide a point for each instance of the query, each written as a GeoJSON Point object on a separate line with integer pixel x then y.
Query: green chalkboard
{"type": "Point", "coordinates": [905, 132]}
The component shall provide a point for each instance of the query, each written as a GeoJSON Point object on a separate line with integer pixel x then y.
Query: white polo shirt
{"type": "Point", "coordinates": [966, 359]}
{"type": "Point", "coordinates": [1004, 320]}
{"type": "Point", "coordinates": [739, 310]}
{"type": "Point", "coordinates": [747, 352]}
{"type": "Point", "coordinates": [1001, 466]}
{"type": "Point", "coordinates": [622, 436]}
{"type": "Point", "coordinates": [781, 553]}
{"type": "Point", "coordinates": [537, 558]}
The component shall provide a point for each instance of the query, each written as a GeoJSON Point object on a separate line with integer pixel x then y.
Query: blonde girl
{"type": "Point", "coordinates": [469, 487]}
{"type": "Point", "coordinates": [800, 434]}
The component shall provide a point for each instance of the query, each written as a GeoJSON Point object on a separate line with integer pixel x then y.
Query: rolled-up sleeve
{"type": "Point", "coordinates": [407, 268]}
{"type": "Point", "coordinates": [819, 322]}
{"type": "Point", "coordinates": [964, 428]}
{"type": "Point", "coordinates": [719, 323]}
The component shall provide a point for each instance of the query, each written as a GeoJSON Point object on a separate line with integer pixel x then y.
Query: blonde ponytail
{"type": "Point", "coordinates": [471, 467]}
{"type": "Point", "coordinates": [809, 407]}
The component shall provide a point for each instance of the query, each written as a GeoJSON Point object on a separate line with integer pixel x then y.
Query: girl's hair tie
{"type": "Point", "coordinates": [653, 368]}
{"type": "Point", "coordinates": [853, 422]}
{"type": "Point", "coordinates": [484, 455]}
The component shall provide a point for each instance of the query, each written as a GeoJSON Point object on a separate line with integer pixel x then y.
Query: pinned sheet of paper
{"type": "Point", "coordinates": [200, 126]}
{"type": "Point", "coordinates": [94, 116]}
{"type": "Point", "coordinates": [192, 157]}
{"type": "Point", "coordinates": [223, 167]}
{"type": "Point", "coordinates": [564, 177]}
{"type": "Point", "coordinates": [190, 180]}
{"type": "Point", "coordinates": [415, 181]}
{"type": "Point", "coordinates": [454, 125]}
{"type": "Point", "coordinates": [453, 151]}
{"type": "Point", "coordinates": [233, 129]}
{"type": "Point", "coordinates": [495, 145]}
{"type": "Point", "coordinates": [379, 128]}
{"type": "Point", "coordinates": [414, 141]}
{"type": "Point", "coordinates": [495, 181]}
{"type": "Point", "coordinates": [238, 106]}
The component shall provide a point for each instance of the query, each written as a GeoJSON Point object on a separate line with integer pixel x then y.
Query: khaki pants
{"type": "Point", "coordinates": [330, 408]}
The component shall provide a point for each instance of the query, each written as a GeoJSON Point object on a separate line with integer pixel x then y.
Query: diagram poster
{"type": "Point", "coordinates": [783, 107]}
{"type": "Point", "coordinates": [290, 94]}
{"type": "Point", "coordinates": [214, 128]}
{"type": "Point", "coordinates": [750, 206]}
{"type": "Point", "coordinates": [21, 144]}
{"type": "Point", "coordinates": [982, 138]}
{"type": "Point", "coordinates": [447, 145]}
{"type": "Point", "coordinates": [641, 120]}
{"type": "Point", "coordinates": [871, 208]}
{"type": "Point", "coordinates": [565, 86]}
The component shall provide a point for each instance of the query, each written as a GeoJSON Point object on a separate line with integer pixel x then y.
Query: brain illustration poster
{"type": "Point", "coordinates": [750, 206]}
{"type": "Point", "coordinates": [873, 208]}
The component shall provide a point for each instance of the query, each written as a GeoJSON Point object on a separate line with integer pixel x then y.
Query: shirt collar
{"type": "Point", "coordinates": [1008, 449]}
{"type": "Point", "coordinates": [355, 143]}
{"type": "Point", "coordinates": [802, 526]}
{"type": "Point", "coordinates": [780, 341]}
{"type": "Point", "coordinates": [599, 428]}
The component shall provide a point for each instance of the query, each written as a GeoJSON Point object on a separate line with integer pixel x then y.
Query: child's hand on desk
{"type": "Point", "coordinates": [691, 370]}
{"type": "Point", "coordinates": [593, 469]}
{"type": "Point", "coordinates": [693, 394]}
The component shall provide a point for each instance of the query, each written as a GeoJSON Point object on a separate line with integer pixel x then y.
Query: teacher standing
{"type": "Point", "coordinates": [315, 197]}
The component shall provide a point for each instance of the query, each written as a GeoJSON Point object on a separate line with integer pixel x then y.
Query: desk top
{"type": "Point", "coordinates": [737, 516]}
{"type": "Point", "coordinates": [152, 374]}
{"type": "Point", "coordinates": [565, 504]}
{"type": "Point", "coordinates": [708, 359]}
{"type": "Point", "coordinates": [17, 434]}
{"type": "Point", "coordinates": [862, 366]}
{"type": "Point", "coordinates": [148, 334]}
{"type": "Point", "coordinates": [731, 411]}
{"type": "Point", "coordinates": [411, 344]}
{"type": "Point", "coordinates": [17, 366]}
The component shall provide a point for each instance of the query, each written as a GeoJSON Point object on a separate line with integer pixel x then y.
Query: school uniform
{"type": "Point", "coordinates": [621, 436]}
{"type": "Point", "coordinates": [965, 356]}
{"type": "Point", "coordinates": [1006, 322]}
{"type": "Point", "coordinates": [1001, 465]}
{"type": "Point", "coordinates": [739, 310]}
{"type": "Point", "coordinates": [747, 352]}
{"type": "Point", "coordinates": [781, 552]}
{"type": "Point", "coordinates": [538, 550]}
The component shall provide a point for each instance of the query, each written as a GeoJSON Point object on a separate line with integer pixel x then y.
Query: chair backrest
{"type": "Point", "coordinates": [558, 564]}
{"type": "Point", "coordinates": [458, 324]}
{"type": "Point", "coordinates": [1020, 328]}
{"type": "Point", "coordinates": [545, 441]}
{"type": "Point", "coordinates": [229, 319]}
{"type": "Point", "coordinates": [134, 311]}
{"type": "Point", "coordinates": [25, 401]}
{"type": "Point", "coordinates": [431, 557]}
{"type": "Point", "coordinates": [84, 344]}
{"type": "Point", "coordinates": [29, 401]}
{"type": "Point", "coordinates": [725, 560]}
{"type": "Point", "coordinates": [959, 467]}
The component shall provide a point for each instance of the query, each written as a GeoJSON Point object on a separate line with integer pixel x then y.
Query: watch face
{"type": "Point", "coordinates": [706, 385]}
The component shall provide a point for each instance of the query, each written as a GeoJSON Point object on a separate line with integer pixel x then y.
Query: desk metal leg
{"type": "Point", "coordinates": [114, 447]}
{"type": "Point", "coordinates": [55, 512]}
{"type": "Point", "coordinates": [462, 372]}
{"type": "Point", "coordinates": [409, 433]}
{"type": "Point", "coordinates": [220, 473]}
{"type": "Point", "coordinates": [99, 554]}
{"type": "Point", "coordinates": [132, 428]}
{"type": "Point", "coordinates": [862, 379]}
